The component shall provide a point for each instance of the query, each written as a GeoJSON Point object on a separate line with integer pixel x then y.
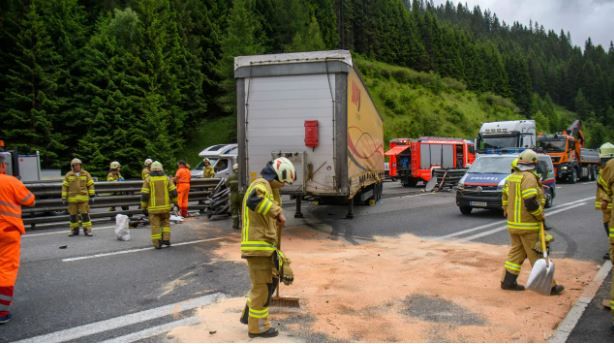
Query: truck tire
{"type": "Point", "coordinates": [465, 210]}
{"type": "Point", "coordinates": [573, 178]}
{"type": "Point", "coordinates": [408, 182]}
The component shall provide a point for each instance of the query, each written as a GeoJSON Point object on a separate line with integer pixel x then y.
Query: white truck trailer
{"type": "Point", "coordinates": [314, 109]}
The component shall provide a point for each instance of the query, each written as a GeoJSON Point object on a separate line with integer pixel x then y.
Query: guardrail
{"type": "Point", "coordinates": [49, 208]}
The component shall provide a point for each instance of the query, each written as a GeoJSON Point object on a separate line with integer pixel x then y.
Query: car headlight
{"type": "Point", "coordinates": [563, 168]}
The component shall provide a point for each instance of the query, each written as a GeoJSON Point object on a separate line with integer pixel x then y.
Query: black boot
{"type": "Point", "coordinates": [245, 315]}
{"type": "Point", "coordinates": [270, 333]}
{"type": "Point", "coordinates": [509, 282]}
{"type": "Point", "coordinates": [166, 242]}
{"type": "Point", "coordinates": [557, 290]}
{"type": "Point", "coordinates": [74, 232]}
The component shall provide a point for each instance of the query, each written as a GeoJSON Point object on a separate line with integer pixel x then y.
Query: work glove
{"type": "Point", "coordinates": [121, 179]}
{"type": "Point", "coordinates": [287, 275]}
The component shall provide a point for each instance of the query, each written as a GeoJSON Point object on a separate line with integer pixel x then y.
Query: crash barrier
{"type": "Point", "coordinates": [50, 210]}
{"type": "Point", "coordinates": [447, 178]}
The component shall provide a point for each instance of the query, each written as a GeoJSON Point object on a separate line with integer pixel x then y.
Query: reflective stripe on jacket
{"type": "Point", "coordinates": [78, 188]}
{"type": "Point", "coordinates": [13, 195]}
{"type": "Point", "coordinates": [158, 194]}
{"type": "Point", "coordinates": [518, 187]}
{"type": "Point", "coordinates": [261, 206]}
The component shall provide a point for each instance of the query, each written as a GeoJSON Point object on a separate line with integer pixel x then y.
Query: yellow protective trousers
{"type": "Point", "coordinates": [76, 210]}
{"type": "Point", "coordinates": [261, 271]}
{"type": "Point", "coordinates": [160, 227]}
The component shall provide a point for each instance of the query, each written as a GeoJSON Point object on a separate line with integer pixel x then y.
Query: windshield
{"type": "Point", "coordinates": [492, 164]}
{"type": "Point", "coordinates": [201, 165]}
{"type": "Point", "coordinates": [552, 144]}
{"type": "Point", "coordinates": [485, 142]}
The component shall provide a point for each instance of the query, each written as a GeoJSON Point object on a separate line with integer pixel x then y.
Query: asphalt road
{"type": "Point", "coordinates": [97, 289]}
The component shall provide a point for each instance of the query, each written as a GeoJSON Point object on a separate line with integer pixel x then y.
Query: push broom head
{"type": "Point", "coordinates": [285, 302]}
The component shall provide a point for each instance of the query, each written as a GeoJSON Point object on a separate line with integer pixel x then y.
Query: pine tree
{"type": "Point", "coordinates": [240, 39]}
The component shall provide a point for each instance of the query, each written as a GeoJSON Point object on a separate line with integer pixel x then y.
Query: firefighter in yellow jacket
{"type": "Point", "coordinates": [603, 202]}
{"type": "Point", "coordinates": [262, 220]}
{"type": "Point", "coordinates": [157, 196]}
{"type": "Point", "coordinates": [146, 168]}
{"type": "Point", "coordinates": [208, 171]}
{"type": "Point", "coordinates": [606, 183]}
{"type": "Point", "coordinates": [523, 206]}
{"type": "Point", "coordinates": [78, 191]}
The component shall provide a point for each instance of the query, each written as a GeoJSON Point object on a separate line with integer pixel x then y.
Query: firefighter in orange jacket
{"type": "Point", "coordinates": [13, 195]}
{"type": "Point", "coordinates": [182, 181]}
{"type": "Point", "coordinates": [262, 221]}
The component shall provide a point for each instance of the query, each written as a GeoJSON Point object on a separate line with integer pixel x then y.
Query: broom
{"type": "Point", "coordinates": [279, 301]}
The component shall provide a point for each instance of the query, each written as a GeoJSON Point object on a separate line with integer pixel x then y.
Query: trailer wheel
{"type": "Point", "coordinates": [465, 210]}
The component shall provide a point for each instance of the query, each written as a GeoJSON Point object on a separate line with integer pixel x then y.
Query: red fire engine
{"type": "Point", "coordinates": [413, 160]}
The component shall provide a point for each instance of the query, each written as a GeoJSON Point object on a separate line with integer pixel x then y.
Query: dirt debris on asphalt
{"type": "Point", "coordinates": [398, 289]}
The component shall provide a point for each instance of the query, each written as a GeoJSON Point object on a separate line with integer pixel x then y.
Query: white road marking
{"type": "Point", "coordinates": [565, 327]}
{"type": "Point", "coordinates": [153, 331]}
{"type": "Point", "coordinates": [61, 232]}
{"type": "Point", "coordinates": [124, 320]}
{"type": "Point", "coordinates": [501, 228]}
{"type": "Point", "coordinates": [474, 229]}
{"type": "Point", "coordinates": [115, 253]}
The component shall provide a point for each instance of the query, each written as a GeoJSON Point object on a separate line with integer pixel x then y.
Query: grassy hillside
{"type": "Point", "coordinates": [415, 103]}
{"type": "Point", "coordinates": [412, 104]}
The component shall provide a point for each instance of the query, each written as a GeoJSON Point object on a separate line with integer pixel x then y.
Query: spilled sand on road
{"type": "Point", "coordinates": [398, 289]}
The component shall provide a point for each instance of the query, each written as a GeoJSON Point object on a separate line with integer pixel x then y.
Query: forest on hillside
{"type": "Point", "coordinates": [129, 79]}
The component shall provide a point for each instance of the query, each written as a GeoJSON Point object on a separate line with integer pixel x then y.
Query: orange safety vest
{"type": "Point", "coordinates": [13, 195]}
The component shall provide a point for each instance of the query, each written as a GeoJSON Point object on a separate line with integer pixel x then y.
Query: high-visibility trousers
{"type": "Point", "coordinates": [10, 246]}
{"type": "Point", "coordinates": [259, 297]}
{"type": "Point", "coordinates": [183, 190]}
{"type": "Point", "coordinates": [160, 227]}
{"type": "Point", "coordinates": [76, 210]}
{"type": "Point", "coordinates": [523, 243]}
{"type": "Point", "coordinates": [611, 240]}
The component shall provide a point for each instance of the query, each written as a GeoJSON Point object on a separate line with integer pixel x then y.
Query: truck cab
{"type": "Point", "coordinates": [482, 185]}
{"type": "Point", "coordinates": [494, 136]}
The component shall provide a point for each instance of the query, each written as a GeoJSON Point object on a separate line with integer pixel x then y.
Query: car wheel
{"type": "Point", "coordinates": [465, 210]}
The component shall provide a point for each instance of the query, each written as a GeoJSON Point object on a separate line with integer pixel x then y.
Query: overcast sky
{"type": "Point", "coordinates": [582, 18]}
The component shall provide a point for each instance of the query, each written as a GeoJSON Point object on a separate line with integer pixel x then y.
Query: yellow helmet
{"type": "Point", "coordinates": [75, 161]}
{"type": "Point", "coordinates": [115, 165]}
{"type": "Point", "coordinates": [527, 157]}
{"type": "Point", "coordinates": [156, 166]}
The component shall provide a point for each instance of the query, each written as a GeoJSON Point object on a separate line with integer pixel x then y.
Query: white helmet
{"type": "Point", "coordinates": [285, 170]}
{"type": "Point", "coordinates": [235, 167]}
{"type": "Point", "coordinates": [75, 161]}
{"type": "Point", "coordinates": [114, 165]}
{"type": "Point", "coordinates": [156, 166]}
{"type": "Point", "coordinates": [148, 162]}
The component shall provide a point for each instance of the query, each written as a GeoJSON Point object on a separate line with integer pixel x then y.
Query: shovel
{"type": "Point", "coordinates": [542, 274]}
{"type": "Point", "coordinates": [278, 301]}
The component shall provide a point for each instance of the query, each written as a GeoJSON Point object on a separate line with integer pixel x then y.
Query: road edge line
{"type": "Point", "coordinates": [567, 325]}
